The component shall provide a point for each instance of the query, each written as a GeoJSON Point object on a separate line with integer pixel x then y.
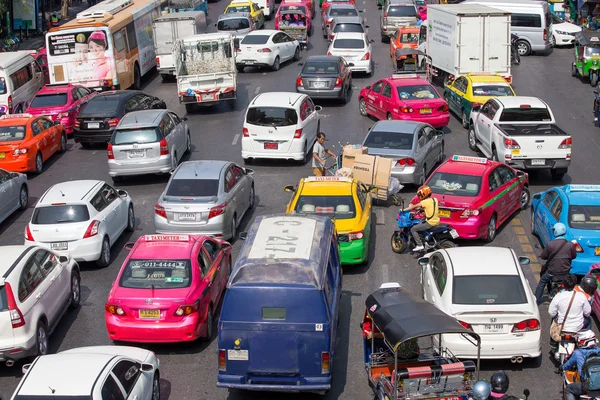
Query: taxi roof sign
{"type": "Point", "coordinates": [582, 188]}
{"type": "Point", "coordinates": [167, 238]}
{"type": "Point", "coordinates": [327, 179]}
{"type": "Point", "coordinates": [469, 159]}
{"type": "Point", "coordinates": [8, 116]}
{"type": "Point", "coordinates": [404, 76]}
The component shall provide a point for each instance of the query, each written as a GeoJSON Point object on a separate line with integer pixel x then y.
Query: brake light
{"type": "Point", "coordinates": [245, 132]}
{"type": "Point", "coordinates": [465, 325]}
{"type": "Point", "coordinates": [217, 210]}
{"type": "Point", "coordinates": [222, 360]}
{"type": "Point", "coordinates": [298, 134]}
{"type": "Point", "coordinates": [338, 82]}
{"type": "Point", "coordinates": [16, 316]}
{"type": "Point", "coordinates": [77, 124]}
{"type": "Point", "coordinates": [356, 235]}
{"type": "Point", "coordinates": [329, 53]}
{"type": "Point", "coordinates": [468, 212]}
{"type": "Point", "coordinates": [18, 152]}
{"type": "Point", "coordinates": [443, 108]}
{"type": "Point", "coordinates": [545, 35]}
{"type": "Point", "coordinates": [92, 230]}
{"type": "Point", "coordinates": [325, 362]}
{"type": "Point", "coordinates": [366, 57]}
{"type": "Point", "coordinates": [406, 109]}
{"type": "Point", "coordinates": [566, 144]}
{"type": "Point", "coordinates": [157, 62]}
{"type": "Point", "coordinates": [511, 143]}
{"type": "Point", "coordinates": [578, 247]}
{"type": "Point", "coordinates": [160, 211]}
{"type": "Point", "coordinates": [265, 50]}
{"type": "Point", "coordinates": [113, 122]}
{"type": "Point", "coordinates": [526, 326]}
{"type": "Point", "coordinates": [114, 310]}
{"type": "Point", "coordinates": [331, 36]}
{"type": "Point", "coordinates": [187, 309]}
{"type": "Point", "coordinates": [28, 235]}
{"type": "Point", "coordinates": [10, 103]}
{"type": "Point", "coordinates": [109, 150]}
{"type": "Point", "coordinates": [406, 161]}
{"type": "Point", "coordinates": [299, 82]}
{"type": "Point", "coordinates": [568, 337]}
{"type": "Point", "coordinates": [164, 148]}
{"type": "Point", "coordinates": [329, 21]}
{"type": "Point", "coordinates": [385, 15]}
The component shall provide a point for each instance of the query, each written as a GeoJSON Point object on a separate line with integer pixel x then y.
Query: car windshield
{"type": "Point", "coordinates": [389, 140]}
{"type": "Point", "coordinates": [60, 214]}
{"type": "Point", "coordinates": [193, 188]}
{"type": "Point", "coordinates": [455, 184]}
{"type": "Point", "coordinates": [348, 28]}
{"type": "Point", "coordinates": [156, 274]}
{"type": "Point", "coordinates": [101, 105]}
{"type": "Point", "coordinates": [255, 39]}
{"type": "Point", "coordinates": [409, 38]}
{"type": "Point", "coordinates": [492, 90]}
{"type": "Point", "coordinates": [349, 44]}
{"type": "Point", "coordinates": [525, 114]}
{"type": "Point", "coordinates": [12, 133]}
{"type": "Point", "coordinates": [416, 92]}
{"type": "Point", "coordinates": [488, 290]}
{"type": "Point", "coordinates": [135, 136]}
{"type": "Point", "coordinates": [320, 67]}
{"type": "Point", "coordinates": [338, 207]}
{"type": "Point", "coordinates": [49, 100]}
{"type": "Point", "coordinates": [584, 217]}
{"type": "Point", "coordinates": [402, 11]}
{"type": "Point", "coordinates": [556, 19]}
{"type": "Point", "coordinates": [592, 51]}
{"type": "Point", "coordinates": [271, 116]}
{"type": "Point", "coordinates": [343, 12]}
{"type": "Point", "coordinates": [236, 9]}
{"type": "Point", "coordinates": [234, 24]}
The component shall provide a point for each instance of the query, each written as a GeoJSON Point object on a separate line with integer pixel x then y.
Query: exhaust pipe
{"type": "Point", "coordinates": [519, 360]}
{"type": "Point", "coordinates": [513, 360]}
{"type": "Point", "coordinates": [10, 363]}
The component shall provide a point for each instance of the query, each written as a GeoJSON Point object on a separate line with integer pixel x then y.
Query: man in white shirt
{"type": "Point", "coordinates": [580, 307]}
{"type": "Point", "coordinates": [319, 154]}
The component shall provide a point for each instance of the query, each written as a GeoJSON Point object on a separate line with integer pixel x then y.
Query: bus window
{"type": "Point", "coordinates": [131, 39]}
{"type": "Point", "coordinates": [119, 41]}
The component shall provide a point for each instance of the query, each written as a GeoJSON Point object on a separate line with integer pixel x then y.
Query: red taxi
{"type": "Point", "coordinates": [60, 103]}
{"type": "Point", "coordinates": [476, 195]}
{"type": "Point", "coordinates": [168, 289]}
{"type": "Point", "coordinates": [404, 97]}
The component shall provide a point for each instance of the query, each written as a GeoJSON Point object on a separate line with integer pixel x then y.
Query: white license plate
{"type": "Point", "coordinates": [59, 246]}
{"type": "Point", "coordinates": [538, 162]}
{"type": "Point", "coordinates": [135, 153]}
{"type": "Point", "coordinates": [319, 85]}
{"type": "Point", "coordinates": [237, 355]}
{"type": "Point", "coordinates": [187, 216]}
{"type": "Point", "coordinates": [249, 62]}
{"type": "Point", "coordinates": [93, 125]}
{"type": "Point", "coordinates": [453, 233]}
{"type": "Point", "coordinates": [493, 328]}
{"type": "Point", "coordinates": [208, 96]}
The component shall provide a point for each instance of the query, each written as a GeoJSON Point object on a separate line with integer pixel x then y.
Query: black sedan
{"type": "Point", "coordinates": [325, 77]}
{"type": "Point", "coordinates": [99, 117]}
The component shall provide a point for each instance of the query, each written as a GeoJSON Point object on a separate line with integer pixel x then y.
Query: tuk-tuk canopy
{"type": "Point", "coordinates": [588, 38]}
{"type": "Point", "coordinates": [410, 52]}
{"type": "Point", "coordinates": [400, 316]}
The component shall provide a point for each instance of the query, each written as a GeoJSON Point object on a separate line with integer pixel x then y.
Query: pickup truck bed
{"type": "Point", "coordinates": [531, 130]}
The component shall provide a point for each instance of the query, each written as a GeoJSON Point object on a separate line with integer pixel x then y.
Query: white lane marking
{"type": "Point", "coordinates": [94, 152]}
{"type": "Point", "coordinates": [235, 139]}
{"type": "Point", "coordinates": [385, 272]}
{"type": "Point", "coordinates": [380, 217]}
{"type": "Point", "coordinates": [264, 73]}
{"type": "Point", "coordinates": [257, 90]}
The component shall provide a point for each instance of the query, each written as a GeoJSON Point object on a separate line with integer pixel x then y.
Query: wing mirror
{"type": "Point", "coordinates": [248, 171]}
{"type": "Point", "coordinates": [63, 259]}
{"type": "Point", "coordinates": [14, 174]}
{"type": "Point", "coordinates": [289, 189]}
{"type": "Point", "coordinates": [122, 193]}
{"type": "Point", "coordinates": [476, 108]}
{"type": "Point", "coordinates": [526, 393]}
{"type": "Point", "coordinates": [439, 133]}
{"type": "Point", "coordinates": [318, 108]}
{"type": "Point", "coordinates": [128, 246]}
{"type": "Point", "coordinates": [423, 261]}
{"type": "Point", "coordinates": [521, 173]}
{"type": "Point", "coordinates": [524, 260]}
{"type": "Point", "coordinates": [243, 235]}
{"type": "Point", "coordinates": [147, 367]}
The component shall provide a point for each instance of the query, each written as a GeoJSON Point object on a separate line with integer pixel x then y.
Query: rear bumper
{"type": "Point", "coordinates": [470, 228]}
{"type": "Point", "coordinates": [437, 121]}
{"type": "Point", "coordinates": [335, 93]}
{"type": "Point", "coordinates": [354, 252]}
{"type": "Point", "coordinates": [91, 136]}
{"type": "Point", "coordinates": [360, 66]}
{"type": "Point", "coordinates": [87, 250]}
{"type": "Point", "coordinates": [19, 350]}
{"type": "Point", "coordinates": [528, 346]}
{"type": "Point", "coordinates": [581, 264]}
{"type": "Point", "coordinates": [166, 71]}
{"type": "Point", "coordinates": [216, 226]}
{"type": "Point", "coordinates": [187, 330]}
{"type": "Point", "coordinates": [23, 164]}
{"type": "Point", "coordinates": [306, 384]}
{"type": "Point", "coordinates": [296, 150]}
{"type": "Point", "coordinates": [406, 175]}
{"type": "Point", "coordinates": [549, 164]}
{"type": "Point", "coordinates": [162, 165]}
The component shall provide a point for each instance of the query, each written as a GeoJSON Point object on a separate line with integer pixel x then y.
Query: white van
{"type": "Point", "coordinates": [20, 79]}
{"type": "Point", "coordinates": [531, 21]}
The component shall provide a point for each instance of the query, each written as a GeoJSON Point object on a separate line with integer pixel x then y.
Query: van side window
{"type": "Point", "coordinates": [119, 41]}
{"type": "Point", "coordinates": [21, 76]}
{"type": "Point", "coordinates": [526, 20]}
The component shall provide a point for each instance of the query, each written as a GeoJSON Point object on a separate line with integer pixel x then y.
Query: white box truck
{"type": "Point", "coordinates": [170, 27]}
{"type": "Point", "coordinates": [464, 38]}
{"type": "Point", "coordinates": [205, 69]}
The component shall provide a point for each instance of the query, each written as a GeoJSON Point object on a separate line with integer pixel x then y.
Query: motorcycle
{"type": "Point", "coordinates": [438, 237]}
{"type": "Point", "coordinates": [515, 58]}
{"type": "Point", "coordinates": [596, 108]}
{"type": "Point", "coordinates": [564, 348]}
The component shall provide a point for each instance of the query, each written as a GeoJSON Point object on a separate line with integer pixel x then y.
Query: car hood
{"type": "Point", "coordinates": [566, 27]}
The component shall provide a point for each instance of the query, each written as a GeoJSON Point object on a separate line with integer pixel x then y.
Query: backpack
{"type": "Point", "coordinates": [590, 372]}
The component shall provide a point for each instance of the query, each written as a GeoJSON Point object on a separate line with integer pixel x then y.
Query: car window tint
{"type": "Point", "coordinates": [506, 174]}
{"type": "Point", "coordinates": [203, 262]}
{"type": "Point", "coordinates": [362, 197]}
{"type": "Point", "coordinates": [211, 248]}
{"type": "Point", "coordinates": [488, 290]}
{"type": "Point", "coordinates": [387, 90]}
{"type": "Point", "coordinates": [32, 277]}
{"type": "Point", "coordinates": [238, 173]}
{"type": "Point", "coordinates": [494, 180]}
{"type": "Point", "coordinates": [60, 214]}
{"type": "Point", "coordinates": [49, 100]}
{"type": "Point", "coordinates": [127, 372]}
{"type": "Point", "coordinates": [102, 105]}
{"type": "Point", "coordinates": [377, 87]}
{"type": "Point", "coordinates": [45, 260]}
{"type": "Point", "coordinates": [98, 202]}
{"type": "Point", "coordinates": [439, 272]}
{"type": "Point", "coordinates": [549, 198]}
{"type": "Point", "coordinates": [131, 104]}
{"type": "Point", "coordinates": [461, 84]}
{"type": "Point", "coordinates": [229, 180]}
{"type": "Point", "coordinates": [75, 94]}
{"type": "Point", "coordinates": [36, 127]}
{"type": "Point", "coordinates": [111, 390]}
{"type": "Point", "coordinates": [556, 208]}
{"type": "Point", "coordinates": [46, 124]}
{"type": "Point", "coordinates": [162, 274]}
{"type": "Point", "coordinates": [175, 117]}
{"type": "Point", "coordinates": [109, 194]}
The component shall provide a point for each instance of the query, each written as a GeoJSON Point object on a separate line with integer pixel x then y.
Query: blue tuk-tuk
{"type": "Point", "coordinates": [278, 322]}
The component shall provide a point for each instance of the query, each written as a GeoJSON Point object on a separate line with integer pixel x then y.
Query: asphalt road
{"type": "Point", "coordinates": [189, 370]}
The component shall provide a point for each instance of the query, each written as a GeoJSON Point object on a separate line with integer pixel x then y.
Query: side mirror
{"type": "Point", "coordinates": [14, 175]}
{"type": "Point", "coordinates": [521, 173]}
{"type": "Point", "coordinates": [25, 368]}
{"type": "Point", "coordinates": [243, 235]}
{"type": "Point", "coordinates": [318, 108]}
{"type": "Point", "coordinates": [439, 133]}
{"type": "Point", "coordinates": [524, 260]}
{"type": "Point", "coordinates": [215, 24]}
{"type": "Point", "coordinates": [128, 246]}
{"type": "Point", "coordinates": [537, 196]}
{"type": "Point", "coordinates": [476, 108]}
{"type": "Point", "coordinates": [147, 367]}
{"type": "Point", "coordinates": [248, 171]}
{"type": "Point", "coordinates": [63, 259]}
{"type": "Point", "coordinates": [225, 245]}
{"type": "Point", "coordinates": [351, 64]}
{"type": "Point", "coordinates": [368, 87]}
{"type": "Point", "coordinates": [423, 261]}
{"type": "Point", "coordinates": [122, 193]}
{"type": "Point", "coordinates": [289, 189]}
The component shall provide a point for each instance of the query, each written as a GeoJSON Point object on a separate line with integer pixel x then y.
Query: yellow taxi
{"type": "Point", "coordinates": [257, 14]}
{"type": "Point", "coordinates": [347, 202]}
{"type": "Point", "coordinates": [474, 89]}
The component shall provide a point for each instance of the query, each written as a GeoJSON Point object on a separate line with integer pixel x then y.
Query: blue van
{"type": "Point", "coordinates": [279, 318]}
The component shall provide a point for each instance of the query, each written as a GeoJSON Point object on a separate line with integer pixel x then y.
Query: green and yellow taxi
{"type": "Point", "coordinates": [474, 89]}
{"type": "Point", "coordinates": [257, 14]}
{"type": "Point", "coordinates": [347, 202]}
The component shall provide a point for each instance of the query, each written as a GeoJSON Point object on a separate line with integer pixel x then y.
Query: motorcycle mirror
{"type": "Point", "coordinates": [423, 261]}
{"type": "Point", "coordinates": [524, 260]}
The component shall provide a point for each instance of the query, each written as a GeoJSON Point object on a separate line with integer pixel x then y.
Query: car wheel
{"type": "Point", "coordinates": [532, 222]}
{"type": "Point", "coordinates": [344, 98]}
{"type": "Point", "coordinates": [494, 155]}
{"type": "Point", "coordinates": [23, 198]}
{"type": "Point", "coordinates": [524, 48]}
{"type": "Point", "coordinates": [472, 139]}
{"type": "Point", "coordinates": [297, 54]}
{"type": "Point", "coordinates": [75, 290]}
{"type": "Point", "coordinates": [447, 244]}
{"type": "Point", "coordinates": [104, 259]}
{"type": "Point", "coordinates": [41, 339]}
{"type": "Point", "coordinates": [552, 41]}
{"type": "Point", "coordinates": [491, 230]}
{"type": "Point", "coordinates": [173, 161]}
{"type": "Point", "coordinates": [39, 163]}
{"type": "Point", "coordinates": [362, 106]}
{"type": "Point", "coordinates": [63, 143]}
{"type": "Point", "coordinates": [389, 116]}
{"type": "Point", "coordinates": [524, 199]}
{"type": "Point", "coordinates": [117, 179]}
{"type": "Point", "coordinates": [240, 68]}
{"type": "Point", "coordinates": [130, 219]}
{"type": "Point", "coordinates": [190, 108]}
{"type": "Point", "coordinates": [464, 120]}
{"type": "Point", "coordinates": [188, 146]}
{"type": "Point", "coordinates": [156, 386]}
{"type": "Point", "coordinates": [252, 198]}
{"type": "Point", "coordinates": [233, 228]}
{"type": "Point", "coordinates": [209, 325]}
{"type": "Point", "coordinates": [573, 70]}
{"type": "Point", "coordinates": [275, 66]}
{"type": "Point", "coordinates": [247, 161]}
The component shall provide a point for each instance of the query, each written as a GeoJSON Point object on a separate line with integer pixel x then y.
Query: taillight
{"type": "Point", "coordinates": [16, 316]}
{"type": "Point", "coordinates": [298, 134]}
{"type": "Point", "coordinates": [245, 132]}
{"type": "Point", "coordinates": [443, 108]}
{"type": "Point", "coordinates": [366, 57]}
{"type": "Point", "coordinates": [331, 36]}
{"type": "Point", "coordinates": [566, 144]}
{"type": "Point", "coordinates": [157, 62]}
{"type": "Point", "coordinates": [356, 235]}
{"type": "Point", "coordinates": [160, 211]}
{"type": "Point", "coordinates": [468, 212]}
{"type": "Point", "coordinates": [217, 210]}
{"type": "Point", "coordinates": [265, 50]}
{"type": "Point", "coordinates": [405, 161]}
{"type": "Point", "coordinates": [338, 82]}
{"type": "Point", "coordinates": [10, 103]}
{"type": "Point", "coordinates": [28, 235]}
{"type": "Point", "coordinates": [164, 148]}
{"type": "Point", "coordinates": [18, 152]}
{"type": "Point", "coordinates": [385, 15]}
{"type": "Point", "coordinates": [475, 104]}
{"type": "Point", "coordinates": [545, 35]}
{"type": "Point", "coordinates": [92, 230]}
{"type": "Point", "coordinates": [222, 360]}
{"type": "Point", "coordinates": [77, 124]}
{"type": "Point", "coordinates": [329, 21]}
{"type": "Point", "coordinates": [114, 309]}
{"type": "Point", "coordinates": [299, 82]}
{"type": "Point", "coordinates": [113, 122]}
{"type": "Point", "coordinates": [187, 309]}
{"type": "Point", "coordinates": [465, 325]}
{"type": "Point", "coordinates": [329, 53]}
{"type": "Point", "coordinates": [526, 326]}
{"type": "Point", "coordinates": [109, 150]}
{"type": "Point", "coordinates": [406, 109]}
{"type": "Point", "coordinates": [511, 143]}
{"type": "Point", "coordinates": [578, 247]}
{"type": "Point", "coordinates": [325, 362]}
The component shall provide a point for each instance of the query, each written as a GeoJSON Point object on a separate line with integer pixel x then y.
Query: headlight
{"type": "Point", "coordinates": [595, 62]}
{"type": "Point", "coordinates": [562, 33]}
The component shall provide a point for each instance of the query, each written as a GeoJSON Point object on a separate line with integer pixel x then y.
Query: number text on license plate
{"type": "Point", "coordinates": [319, 85]}
{"type": "Point", "coordinates": [237, 355]}
{"type": "Point", "coordinates": [444, 213]}
{"type": "Point", "coordinates": [493, 328]}
{"type": "Point", "coordinates": [136, 153]}
{"type": "Point", "coordinates": [425, 110]}
{"type": "Point", "coordinates": [271, 146]}
{"type": "Point", "coordinates": [538, 162]}
{"type": "Point", "coordinates": [249, 62]}
{"type": "Point", "coordinates": [208, 96]}
{"type": "Point", "coordinates": [187, 216]}
{"type": "Point", "coordinates": [597, 251]}
{"type": "Point", "coordinates": [150, 314]}
{"type": "Point", "coordinates": [93, 125]}
{"type": "Point", "coordinates": [2, 155]}
{"type": "Point", "coordinates": [59, 246]}
{"type": "Point", "coordinates": [453, 233]}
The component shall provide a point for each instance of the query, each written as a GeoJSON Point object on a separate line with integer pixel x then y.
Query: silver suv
{"type": "Point", "coordinates": [238, 24]}
{"type": "Point", "coordinates": [396, 14]}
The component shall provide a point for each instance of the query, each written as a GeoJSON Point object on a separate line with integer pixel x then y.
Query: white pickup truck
{"type": "Point", "coordinates": [522, 132]}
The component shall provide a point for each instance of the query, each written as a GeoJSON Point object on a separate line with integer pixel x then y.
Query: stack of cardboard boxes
{"type": "Point", "coordinates": [373, 171]}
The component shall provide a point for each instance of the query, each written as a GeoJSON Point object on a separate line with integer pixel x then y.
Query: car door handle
{"type": "Point", "coordinates": [38, 296]}
{"type": "Point", "coordinates": [115, 209]}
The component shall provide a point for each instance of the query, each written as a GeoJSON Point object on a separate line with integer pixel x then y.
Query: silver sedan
{"type": "Point", "coordinates": [416, 148]}
{"type": "Point", "coordinates": [14, 193]}
{"type": "Point", "coordinates": [205, 197]}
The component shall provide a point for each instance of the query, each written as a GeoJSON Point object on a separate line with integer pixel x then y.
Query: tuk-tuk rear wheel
{"type": "Point", "coordinates": [573, 70]}
{"type": "Point", "coordinates": [594, 78]}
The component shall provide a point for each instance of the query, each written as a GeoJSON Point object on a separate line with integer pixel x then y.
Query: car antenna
{"type": "Point", "coordinates": [153, 290]}
{"type": "Point", "coordinates": [52, 389]}
{"type": "Point", "coordinates": [61, 193]}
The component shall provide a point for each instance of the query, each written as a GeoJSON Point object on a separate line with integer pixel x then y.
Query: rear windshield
{"type": "Point", "coordinates": [193, 187]}
{"type": "Point", "coordinates": [389, 140]}
{"type": "Point", "coordinates": [343, 12]}
{"type": "Point", "coordinates": [60, 214]}
{"type": "Point", "coordinates": [584, 217]}
{"type": "Point", "coordinates": [488, 289]}
{"type": "Point", "coordinates": [321, 67]}
{"type": "Point", "coordinates": [255, 39]}
{"type": "Point", "coordinates": [525, 115]}
{"type": "Point", "coordinates": [12, 133]}
{"type": "Point", "coordinates": [348, 28]}
{"type": "Point", "coordinates": [338, 207]}
{"type": "Point", "coordinates": [156, 274]}
{"type": "Point", "coordinates": [236, 24]}
{"type": "Point", "coordinates": [273, 313]}
{"type": "Point", "coordinates": [402, 11]}
{"type": "Point", "coordinates": [492, 90]}
{"type": "Point", "coordinates": [101, 105]}
{"type": "Point", "coordinates": [349, 44]}
{"type": "Point", "coordinates": [133, 136]}
{"type": "Point", "coordinates": [272, 116]}
{"type": "Point", "coordinates": [49, 100]}
{"type": "Point", "coordinates": [409, 38]}
{"type": "Point", "coordinates": [236, 9]}
{"type": "Point", "coordinates": [455, 184]}
{"type": "Point", "coordinates": [416, 92]}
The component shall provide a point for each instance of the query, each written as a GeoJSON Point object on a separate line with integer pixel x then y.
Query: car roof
{"type": "Point", "coordinates": [10, 254]}
{"type": "Point", "coordinates": [62, 88]}
{"type": "Point", "coordinates": [155, 247]}
{"type": "Point", "coordinates": [397, 126]}
{"type": "Point", "coordinates": [69, 192]}
{"type": "Point", "coordinates": [477, 167]}
{"type": "Point", "coordinates": [276, 99]}
{"type": "Point", "coordinates": [235, 15]}
{"type": "Point", "coordinates": [332, 187]}
{"type": "Point", "coordinates": [263, 32]}
{"type": "Point", "coordinates": [322, 58]}
{"type": "Point", "coordinates": [200, 169]}
{"type": "Point", "coordinates": [141, 119]}
{"type": "Point", "coordinates": [517, 101]}
{"type": "Point", "coordinates": [10, 57]}
{"type": "Point", "coordinates": [581, 195]}
{"type": "Point", "coordinates": [492, 78]}
{"type": "Point", "coordinates": [351, 35]}
{"type": "Point", "coordinates": [16, 119]}
{"type": "Point", "coordinates": [467, 260]}
{"type": "Point", "coordinates": [239, 3]}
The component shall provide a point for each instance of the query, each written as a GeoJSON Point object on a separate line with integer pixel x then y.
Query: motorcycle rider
{"type": "Point", "coordinates": [558, 254]}
{"type": "Point", "coordinates": [587, 344]}
{"type": "Point", "coordinates": [499, 383]}
{"type": "Point", "coordinates": [587, 286]}
{"type": "Point", "coordinates": [432, 217]}
{"type": "Point", "coordinates": [578, 303]}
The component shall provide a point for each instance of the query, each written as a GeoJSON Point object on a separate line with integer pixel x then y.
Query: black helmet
{"type": "Point", "coordinates": [589, 284]}
{"type": "Point", "coordinates": [499, 382]}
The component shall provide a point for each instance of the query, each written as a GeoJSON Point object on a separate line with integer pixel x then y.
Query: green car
{"type": "Point", "coordinates": [587, 56]}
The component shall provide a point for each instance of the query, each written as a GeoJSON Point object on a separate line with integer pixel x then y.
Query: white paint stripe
{"type": "Point", "coordinates": [264, 73]}
{"type": "Point", "coordinates": [257, 90]}
{"type": "Point", "coordinates": [385, 272]}
{"type": "Point", "coordinates": [235, 139]}
{"type": "Point", "coordinates": [94, 152]}
{"type": "Point", "coordinates": [380, 217]}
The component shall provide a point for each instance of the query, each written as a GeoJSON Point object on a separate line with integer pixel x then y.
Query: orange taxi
{"type": "Point", "coordinates": [406, 37]}
{"type": "Point", "coordinates": [27, 141]}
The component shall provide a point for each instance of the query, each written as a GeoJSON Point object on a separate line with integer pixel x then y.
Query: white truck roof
{"type": "Point", "coordinates": [518, 101]}
{"type": "Point", "coordinates": [466, 9]}
{"type": "Point", "coordinates": [208, 36]}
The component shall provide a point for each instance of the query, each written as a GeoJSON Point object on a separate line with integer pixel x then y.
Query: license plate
{"type": "Point", "coordinates": [59, 246]}
{"type": "Point", "coordinates": [208, 96]}
{"type": "Point", "coordinates": [271, 146]}
{"type": "Point", "coordinates": [425, 110]}
{"type": "Point", "coordinates": [319, 85]}
{"type": "Point", "coordinates": [493, 328]}
{"type": "Point", "coordinates": [249, 62]}
{"type": "Point", "coordinates": [93, 125]}
{"type": "Point", "coordinates": [150, 314]}
{"type": "Point", "coordinates": [187, 216]}
{"type": "Point", "coordinates": [453, 233]}
{"type": "Point", "coordinates": [597, 251]}
{"type": "Point", "coordinates": [135, 153]}
{"type": "Point", "coordinates": [538, 162]}
{"type": "Point", "coordinates": [444, 213]}
{"type": "Point", "coordinates": [237, 355]}
{"type": "Point", "coordinates": [2, 155]}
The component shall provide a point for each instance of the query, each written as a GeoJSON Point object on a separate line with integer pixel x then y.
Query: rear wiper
{"type": "Point", "coordinates": [60, 221]}
{"type": "Point", "coordinates": [119, 144]}
{"type": "Point", "coordinates": [274, 126]}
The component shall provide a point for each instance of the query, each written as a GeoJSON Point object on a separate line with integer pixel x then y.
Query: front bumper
{"type": "Point", "coordinates": [562, 39]}
{"type": "Point", "coordinates": [528, 345]}
{"type": "Point", "coordinates": [186, 330]}
{"type": "Point", "coordinates": [549, 163]}
{"type": "Point", "coordinates": [335, 93]}
{"type": "Point", "coordinates": [354, 252]}
{"type": "Point", "coordinates": [87, 250]}
{"type": "Point", "coordinates": [162, 165]}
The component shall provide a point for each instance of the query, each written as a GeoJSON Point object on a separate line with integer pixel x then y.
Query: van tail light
{"type": "Point", "coordinates": [443, 108]}
{"type": "Point", "coordinates": [545, 34]}
{"type": "Point", "coordinates": [28, 235]}
{"type": "Point", "coordinates": [469, 212]}
{"type": "Point", "coordinates": [338, 82]}
{"type": "Point", "coordinates": [331, 36]}
{"type": "Point", "coordinates": [245, 132]}
{"type": "Point", "coordinates": [113, 122]}
{"type": "Point", "coordinates": [526, 326]}
{"type": "Point", "coordinates": [465, 325]}
{"type": "Point", "coordinates": [299, 82]}
{"type": "Point", "coordinates": [92, 230]}
{"type": "Point", "coordinates": [511, 143]}
{"type": "Point", "coordinates": [164, 148]}
{"type": "Point", "coordinates": [578, 247]}
{"type": "Point", "coordinates": [157, 62]}
{"type": "Point", "coordinates": [18, 152]}
{"type": "Point", "coordinates": [77, 124]}
{"type": "Point", "coordinates": [265, 50]}
{"type": "Point", "coordinates": [325, 362]}
{"type": "Point", "coordinates": [16, 316]}
{"type": "Point", "coordinates": [356, 235]}
{"type": "Point", "coordinates": [298, 134]}
{"type": "Point", "coordinates": [217, 210]}
{"type": "Point", "coordinates": [9, 104]}
{"type": "Point", "coordinates": [187, 309]}
{"type": "Point", "coordinates": [114, 310]}
{"type": "Point", "coordinates": [366, 57]}
{"type": "Point", "coordinates": [109, 150]}
{"type": "Point", "coordinates": [329, 53]}
{"type": "Point", "coordinates": [222, 359]}
{"type": "Point", "coordinates": [566, 144]}
{"type": "Point", "coordinates": [160, 211]}
{"type": "Point", "coordinates": [406, 161]}
{"type": "Point", "coordinates": [406, 110]}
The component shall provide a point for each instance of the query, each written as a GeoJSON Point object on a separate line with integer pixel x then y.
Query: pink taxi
{"type": "Point", "coordinates": [168, 289]}
{"type": "Point", "coordinates": [60, 103]}
{"type": "Point", "coordinates": [309, 3]}
{"type": "Point", "coordinates": [290, 14]}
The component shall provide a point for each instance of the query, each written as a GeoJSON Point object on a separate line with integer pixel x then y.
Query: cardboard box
{"type": "Point", "coordinates": [372, 170]}
{"type": "Point", "coordinates": [349, 155]}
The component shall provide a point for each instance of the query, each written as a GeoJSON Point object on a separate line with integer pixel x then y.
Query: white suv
{"type": "Point", "coordinates": [81, 218]}
{"type": "Point", "coordinates": [355, 48]}
{"type": "Point", "coordinates": [36, 288]}
{"type": "Point", "coordinates": [280, 125]}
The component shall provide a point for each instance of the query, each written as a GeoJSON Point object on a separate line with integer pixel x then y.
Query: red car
{"type": "Point", "coordinates": [60, 103]}
{"type": "Point", "coordinates": [42, 59]}
{"type": "Point", "coordinates": [168, 289]}
{"type": "Point", "coordinates": [404, 97]}
{"type": "Point", "coordinates": [476, 195]}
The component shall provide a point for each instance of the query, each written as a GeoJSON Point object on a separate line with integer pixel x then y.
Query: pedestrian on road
{"type": "Point", "coordinates": [319, 154]}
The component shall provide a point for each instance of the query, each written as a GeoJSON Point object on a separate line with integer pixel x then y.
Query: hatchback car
{"type": "Point", "coordinates": [100, 116]}
{"type": "Point", "coordinates": [355, 48]}
{"type": "Point", "coordinates": [92, 373]}
{"type": "Point", "coordinates": [266, 48]}
{"type": "Point", "coordinates": [185, 276]}
{"type": "Point", "coordinates": [36, 286]}
{"type": "Point", "coordinates": [496, 301]}
{"type": "Point", "coordinates": [82, 219]}
{"type": "Point", "coordinates": [238, 24]}
{"type": "Point", "coordinates": [334, 11]}
{"type": "Point", "coordinates": [280, 125]}
{"type": "Point", "coordinates": [205, 197]}
{"type": "Point", "coordinates": [14, 193]}
{"type": "Point", "coordinates": [61, 103]}
{"type": "Point", "coordinates": [345, 24]}
{"type": "Point", "coordinates": [325, 77]}
{"type": "Point", "coordinates": [415, 148]}
{"type": "Point", "coordinates": [148, 142]}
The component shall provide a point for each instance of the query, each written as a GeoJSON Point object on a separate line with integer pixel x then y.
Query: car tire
{"type": "Point", "coordinates": [463, 119]}
{"type": "Point", "coordinates": [491, 230]}
{"type": "Point", "coordinates": [297, 54]}
{"type": "Point", "coordinates": [233, 228]}
{"type": "Point", "coordinates": [63, 143]}
{"type": "Point", "coordinates": [117, 179]}
{"type": "Point", "coordinates": [130, 219]}
{"type": "Point", "coordinates": [276, 64]}
{"type": "Point", "coordinates": [156, 386]}
{"type": "Point", "coordinates": [174, 161]}
{"type": "Point", "coordinates": [447, 244]}
{"type": "Point", "coordinates": [23, 197]}
{"type": "Point", "coordinates": [389, 116]}
{"type": "Point", "coordinates": [209, 325]}
{"type": "Point", "coordinates": [188, 146]}
{"type": "Point", "coordinates": [524, 48]}
{"type": "Point", "coordinates": [104, 259]}
{"type": "Point", "coordinates": [558, 174]}
{"type": "Point", "coordinates": [240, 68]}
{"type": "Point", "coordinates": [344, 98]}
{"type": "Point", "coordinates": [524, 199]}
{"type": "Point", "coordinates": [494, 155]}
{"type": "Point", "coordinates": [137, 78]}
{"type": "Point", "coordinates": [75, 290]}
{"type": "Point", "coordinates": [41, 339]}
{"type": "Point", "coordinates": [39, 163]}
{"type": "Point", "coordinates": [362, 106]}
{"type": "Point", "coordinates": [532, 222]}
{"type": "Point", "coordinates": [252, 198]}
{"type": "Point", "coordinates": [472, 138]}
{"type": "Point", "coordinates": [552, 41]}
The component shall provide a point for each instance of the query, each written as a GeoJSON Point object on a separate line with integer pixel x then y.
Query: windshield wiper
{"type": "Point", "coordinates": [60, 221]}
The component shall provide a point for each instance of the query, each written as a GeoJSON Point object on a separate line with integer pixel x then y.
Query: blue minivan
{"type": "Point", "coordinates": [279, 318]}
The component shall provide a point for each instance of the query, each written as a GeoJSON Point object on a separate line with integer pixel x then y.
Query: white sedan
{"type": "Point", "coordinates": [563, 33]}
{"type": "Point", "coordinates": [485, 290]}
{"type": "Point", "coordinates": [266, 48]}
{"type": "Point", "coordinates": [355, 48]}
{"type": "Point", "coordinates": [94, 373]}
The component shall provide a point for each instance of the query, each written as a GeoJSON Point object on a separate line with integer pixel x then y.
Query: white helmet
{"type": "Point", "coordinates": [586, 339]}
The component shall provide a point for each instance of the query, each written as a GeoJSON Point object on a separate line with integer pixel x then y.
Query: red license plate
{"type": "Point", "coordinates": [271, 146]}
